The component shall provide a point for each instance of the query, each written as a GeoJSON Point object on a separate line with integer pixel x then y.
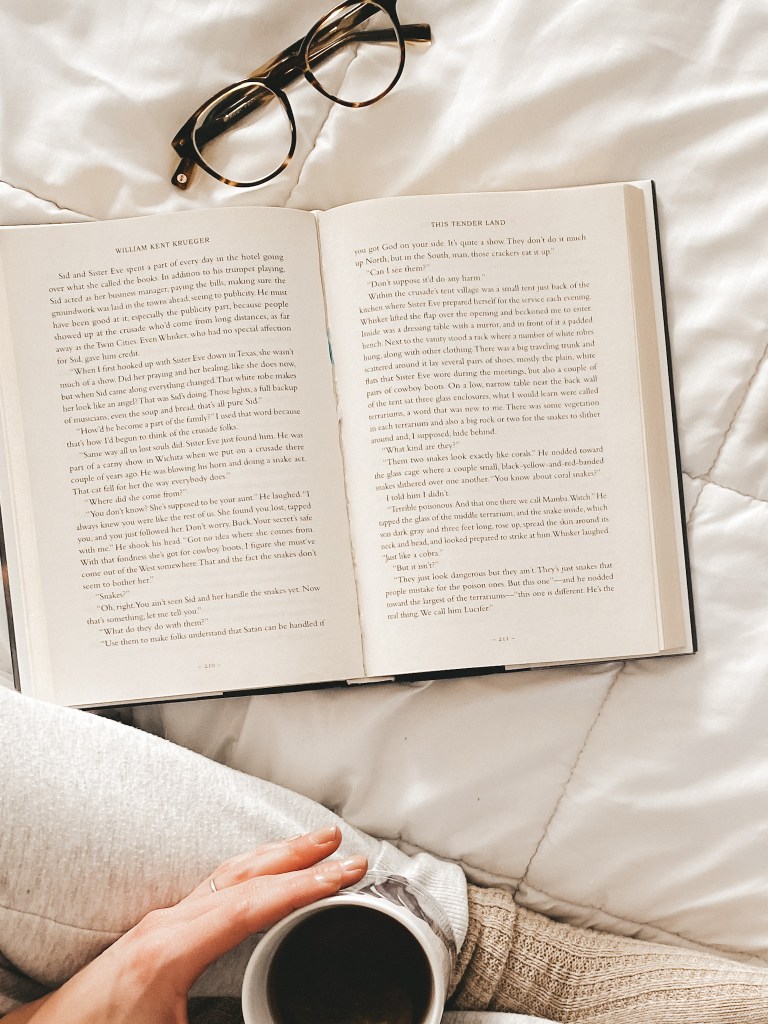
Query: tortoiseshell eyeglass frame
{"type": "Point", "coordinates": [271, 79]}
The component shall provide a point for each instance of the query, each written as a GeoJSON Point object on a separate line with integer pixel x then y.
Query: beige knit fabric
{"type": "Point", "coordinates": [518, 961]}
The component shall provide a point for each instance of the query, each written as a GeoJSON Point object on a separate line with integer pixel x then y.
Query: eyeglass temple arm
{"type": "Point", "coordinates": [285, 68]}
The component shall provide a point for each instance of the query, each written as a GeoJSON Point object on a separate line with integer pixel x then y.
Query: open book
{"type": "Point", "coordinates": [252, 447]}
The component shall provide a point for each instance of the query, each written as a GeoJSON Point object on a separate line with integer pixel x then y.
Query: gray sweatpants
{"type": "Point", "coordinates": [100, 823]}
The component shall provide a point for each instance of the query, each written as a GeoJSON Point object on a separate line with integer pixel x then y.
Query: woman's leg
{"type": "Point", "coordinates": [518, 961]}
{"type": "Point", "coordinates": [101, 823]}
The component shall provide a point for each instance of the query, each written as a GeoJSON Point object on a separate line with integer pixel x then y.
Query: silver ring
{"type": "Point", "coordinates": [213, 886]}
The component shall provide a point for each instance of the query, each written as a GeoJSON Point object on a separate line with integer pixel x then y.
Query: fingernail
{"type": "Point", "coordinates": [334, 872]}
{"type": "Point", "coordinates": [354, 865]}
{"type": "Point", "coordinates": [323, 836]}
{"type": "Point", "coordinates": [329, 873]}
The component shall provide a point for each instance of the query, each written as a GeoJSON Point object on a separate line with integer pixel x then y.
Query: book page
{"type": "Point", "coordinates": [663, 476]}
{"type": "Point", "coordinates": [492, 428]}
{"type": "Point", "coordinates": [179, 521]}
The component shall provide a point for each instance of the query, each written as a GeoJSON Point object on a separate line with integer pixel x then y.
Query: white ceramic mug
{"type": "Point", "coordinates": [379, 951]}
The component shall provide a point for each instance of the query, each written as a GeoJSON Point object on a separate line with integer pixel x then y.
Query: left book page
{"type": "Point", "coordinates": [172, 498]}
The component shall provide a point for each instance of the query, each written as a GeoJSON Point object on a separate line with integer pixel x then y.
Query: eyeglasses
{"type": "Point", "coordinates": [354, 55]}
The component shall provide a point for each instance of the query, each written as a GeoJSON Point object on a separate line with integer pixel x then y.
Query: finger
{"type": "Point", "coordinates": [252, 906]}
{"type": "Point", "coordinates": [272, 858]}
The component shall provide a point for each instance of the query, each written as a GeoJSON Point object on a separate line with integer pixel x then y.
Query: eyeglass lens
{"type": "Point", "coordinates": [261, 142]}
{"type": "Point", "coordinates": [355, 53]}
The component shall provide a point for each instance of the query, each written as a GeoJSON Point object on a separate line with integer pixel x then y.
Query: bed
{"type": "Point", "coordinates": [632, 797]}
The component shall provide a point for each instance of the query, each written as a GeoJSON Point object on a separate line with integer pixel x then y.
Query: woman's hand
{"type": "Point", "coordinates": [144, 977]}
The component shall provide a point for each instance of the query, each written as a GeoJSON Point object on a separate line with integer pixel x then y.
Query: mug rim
{"type": "Point", "coordinates": [262, 956]}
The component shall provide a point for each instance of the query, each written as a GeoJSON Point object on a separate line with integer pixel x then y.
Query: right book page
{"type": "Point", "coordinates": [506, 426]}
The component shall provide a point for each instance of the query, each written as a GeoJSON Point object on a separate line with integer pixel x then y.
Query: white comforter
{"type": "Point", "coordinates": [633, 797]}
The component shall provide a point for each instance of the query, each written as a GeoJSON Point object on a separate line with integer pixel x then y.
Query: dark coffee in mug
{"type": "Point", "coordinates": [349, 965]}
